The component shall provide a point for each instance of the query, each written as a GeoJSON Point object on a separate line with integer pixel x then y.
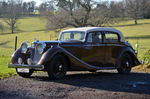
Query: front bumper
{"type": "Point", "coordinates": [41, 67]}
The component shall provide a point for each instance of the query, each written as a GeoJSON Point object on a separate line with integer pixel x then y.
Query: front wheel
{"type": "Point", "coordinates": [24, 74]}
{"type": "Point", "coordinates": [57, 68]}
{"type": "Point", "coordinates": [125, 64]}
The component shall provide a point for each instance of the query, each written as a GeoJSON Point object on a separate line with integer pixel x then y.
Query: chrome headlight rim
{"type": "Point", "coordinates": [40, 47]}
{"type": "Point", "coordinates": [24, 47]}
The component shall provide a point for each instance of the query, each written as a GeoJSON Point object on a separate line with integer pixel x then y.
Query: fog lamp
{"type": "Point", "coordinates": [29, 61]}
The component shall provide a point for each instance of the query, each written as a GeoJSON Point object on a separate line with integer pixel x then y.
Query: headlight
{"type": "Point", "coordinates": [24, 47]}
{"type": "Point", "coordinates": [40, 47]}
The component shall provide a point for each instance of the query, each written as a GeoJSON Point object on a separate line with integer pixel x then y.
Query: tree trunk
{"type": "Point", "coordinates": [135, 21]}
{"type": "Point", "coordinates": [12, 29]}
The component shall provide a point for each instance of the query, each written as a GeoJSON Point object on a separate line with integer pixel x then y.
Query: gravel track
{"type": "Point", "coordinates": [78, 85]}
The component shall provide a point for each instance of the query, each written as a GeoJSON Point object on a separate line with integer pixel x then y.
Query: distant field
{"type": "Point", "coordinates": [31, 28]}
{"type": "Point", "coordinates": [133, 32]}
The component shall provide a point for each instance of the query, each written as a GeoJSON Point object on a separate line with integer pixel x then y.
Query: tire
{"type": "Point", "coordinates": [25, 75]}
{"type": "Point", "coordinates": [57, 68]}
{"type": "Point", "coordinates": [125, 64]}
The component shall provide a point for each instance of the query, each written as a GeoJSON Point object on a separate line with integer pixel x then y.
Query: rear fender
{"type": "Point", "coordinates": [131, 52]}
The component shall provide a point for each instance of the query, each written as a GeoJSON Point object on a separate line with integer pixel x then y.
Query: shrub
{"type": "Point", "coordinates": [146, 58]}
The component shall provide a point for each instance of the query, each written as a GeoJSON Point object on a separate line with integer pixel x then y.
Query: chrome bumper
{"type": "Point", "coordinates": [25, 66]}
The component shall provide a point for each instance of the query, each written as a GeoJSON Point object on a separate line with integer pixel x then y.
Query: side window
{"type": "Point", "coordinates": [111, 37]}
{"type": "Point", "coordinates": [94, 37]}
{"type": "Point", "coordinates": [97, 37]}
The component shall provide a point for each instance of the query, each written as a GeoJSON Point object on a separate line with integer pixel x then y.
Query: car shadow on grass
{"type": "Point", "coordinates": [139, 37]}
{"type": "Point", "coordinates": [126, 25]}
{"type": "Point", "coordinates": [132, 83]}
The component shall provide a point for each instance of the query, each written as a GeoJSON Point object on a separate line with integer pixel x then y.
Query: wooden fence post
{"type": "Point", "coordinates": [16, 40]}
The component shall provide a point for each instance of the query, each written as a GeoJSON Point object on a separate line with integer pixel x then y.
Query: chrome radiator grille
{"type": "Point", "coordinates": [35, 56]}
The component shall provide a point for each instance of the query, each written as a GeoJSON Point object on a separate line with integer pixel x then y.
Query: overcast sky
{"type": "Point", "coordinates": [38, 2]}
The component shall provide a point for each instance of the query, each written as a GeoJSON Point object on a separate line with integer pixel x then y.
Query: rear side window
{"type": "Point", "coordinates": [111, 37]}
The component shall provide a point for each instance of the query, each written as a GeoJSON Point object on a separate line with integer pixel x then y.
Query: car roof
{"type": "Point", "coordinates": [91, 29]}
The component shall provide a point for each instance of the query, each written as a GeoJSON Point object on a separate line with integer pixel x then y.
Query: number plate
{"type": "Point", "coordinates": [23, 70]}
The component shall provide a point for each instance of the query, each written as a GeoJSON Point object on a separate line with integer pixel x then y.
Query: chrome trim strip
{"type": "Point", "coordinates": [96, 45]}
{"type": "Point", "coordinates": [25, 66]}
{"type": "Point", "coordinates": [103, 45]}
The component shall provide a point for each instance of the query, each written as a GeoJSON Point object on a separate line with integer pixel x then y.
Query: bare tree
{"type": "Point", "coordinates": [134, 9]}
{"type": "Point", "coordinates": [46, 6]}
{"type": "Point", "coordinates": [118, 9]}
{"type": "Point", "coordinates": [31, 7]}
{"type": "Point", "coordinates": [13, 13]}
{"type": "Point", "coordinates": [3, 5]}
{"type": "Point", "coordinates": [102, 15]}
{"type": "Point", "coordinates": [77, 10]}
{"type": "Point", "coordinates": [145, 8]}
{"type": "Point", "coordinates": [78, 13]}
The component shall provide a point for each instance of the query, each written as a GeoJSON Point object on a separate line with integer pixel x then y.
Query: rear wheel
{"type": "Point", "coordinates": [25, 75]}
{"type": "Point", "coordinates": [57, 67]}
{"type": "Point", "coordinates": [125, 64]}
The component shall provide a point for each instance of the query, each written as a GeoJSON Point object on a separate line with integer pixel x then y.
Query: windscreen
{"type": "Point", "coordinates": [72, 35]}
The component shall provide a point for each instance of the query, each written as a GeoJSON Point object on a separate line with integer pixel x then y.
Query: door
{"type": "Point", "coordinates": [93, 51]}
{"type": "Point", "coordinates": [112, 48]}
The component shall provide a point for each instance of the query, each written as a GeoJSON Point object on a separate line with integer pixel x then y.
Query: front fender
{"type": "Point", "coordinates": [15, 56]}
{"type": "Point", "coordinates": [49, 54]}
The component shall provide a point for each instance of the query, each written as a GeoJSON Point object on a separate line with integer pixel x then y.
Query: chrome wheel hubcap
{"type": "Point", "coordinates": [60, 67]}
{"type": "Point", "coordinates": [127, 63]}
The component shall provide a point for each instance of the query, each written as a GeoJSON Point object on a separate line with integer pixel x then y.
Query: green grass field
{"type": "Point", "coordinates": [134, 32]}
{"type": "Point", "coordinates": [4, 71]}
{"type": "Point", "coordinates": [32, 28]}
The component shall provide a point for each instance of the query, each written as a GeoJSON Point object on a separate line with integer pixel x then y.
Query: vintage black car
{"type": "Point", "coordinates": [79, 49]}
